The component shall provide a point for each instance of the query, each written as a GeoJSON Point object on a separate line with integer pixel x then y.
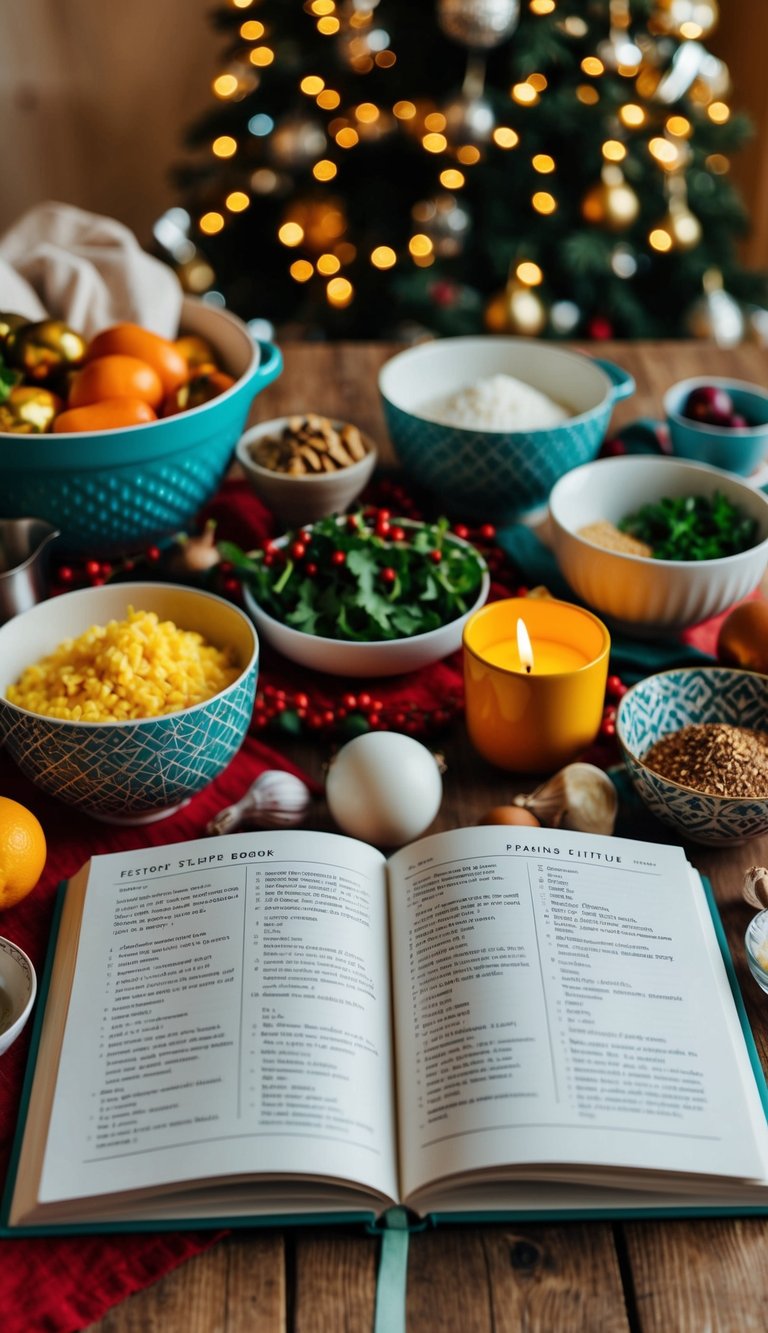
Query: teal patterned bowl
{"type": "Point", "coordinates": [496, 474]}
{"type": "Point", "coordinates": [684, 697]}
{"type": "Point", "coordinates": [138, 771]}
{"type": "Point", "coordinates": [109, 491]}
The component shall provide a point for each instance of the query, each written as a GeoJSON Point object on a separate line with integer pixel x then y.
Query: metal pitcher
{"type": "Point", "coordinates": [24, 544]}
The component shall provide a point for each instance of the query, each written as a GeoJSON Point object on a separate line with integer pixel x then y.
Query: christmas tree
{"type": "Point", "coordinates": [385, 168]}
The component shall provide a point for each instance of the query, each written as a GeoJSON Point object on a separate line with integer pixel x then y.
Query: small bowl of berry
{"type": "Point", "coordinates": [722, 422]}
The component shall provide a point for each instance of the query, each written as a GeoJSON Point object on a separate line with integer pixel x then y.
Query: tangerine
{"type": "Point", "coordinates": [743, 637]}
{"type": "Point", "coordinates": [22, 851]}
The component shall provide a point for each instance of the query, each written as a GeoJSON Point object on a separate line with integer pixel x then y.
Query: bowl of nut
{"type": "Point", "coordinates": [305, 467]}
{"type": "Point", "coordinates": [695, 745]}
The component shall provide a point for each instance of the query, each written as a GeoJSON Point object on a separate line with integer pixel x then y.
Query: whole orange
{"type": "Point", "coordinates": [131, 340]}
{"type": "Point", "coordinates": [115, 376]}
{"type": "Point", "coordinates": [743, 637]}
{"type": "Point", "coordinates": [22, 851]}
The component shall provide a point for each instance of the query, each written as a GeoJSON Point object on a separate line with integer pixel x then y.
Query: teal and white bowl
{"type": "Point", "coordinates": [135, 771]}
{"type": "Point", "coordinates": [115, 490]}
{"type": "Point", "coordinates": [496, 473]}
{"type": "Point", "coordinates": [683, 697]}
{"type": "Point", "coordinates": [740, 450]}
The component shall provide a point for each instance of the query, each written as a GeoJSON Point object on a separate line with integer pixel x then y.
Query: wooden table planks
{"type": "Point", "coordinates": [699, 1276]}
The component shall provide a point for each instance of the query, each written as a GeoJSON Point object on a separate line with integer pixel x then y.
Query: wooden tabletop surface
{"type": "Point", "coordinates": [642, 1277]}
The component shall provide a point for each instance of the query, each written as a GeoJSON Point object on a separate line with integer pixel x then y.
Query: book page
{"type": "Point", "coordinates": [229, 1015]}
{"type": "Point", "coordinates": [560, 998]}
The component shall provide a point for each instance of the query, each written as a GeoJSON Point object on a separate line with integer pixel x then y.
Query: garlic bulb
{"type": "Point", "coordinates": [755, 887]}
{"type": "Point", "coordinates": [581, 796]}
{"type": "Point", "coordinates": [276, 799]}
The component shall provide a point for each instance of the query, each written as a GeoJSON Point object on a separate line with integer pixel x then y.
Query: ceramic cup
{"type": "Point", "coordinates": [537, 720]}
{"type": "Point", "coordinates": [740, 451]}
{"type": "Point", "coordinates": [18, 987]}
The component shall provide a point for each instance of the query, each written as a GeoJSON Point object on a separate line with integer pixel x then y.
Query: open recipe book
{"type": "Point", "coordinates": [288, 1025]}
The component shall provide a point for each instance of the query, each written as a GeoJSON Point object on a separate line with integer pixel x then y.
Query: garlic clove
{"type": "Point", "coordinates": [581, 797]}
{"type": "Point", "coordinates": [755, 887]}
{"type": "Point", "coordinates": [276, 799]}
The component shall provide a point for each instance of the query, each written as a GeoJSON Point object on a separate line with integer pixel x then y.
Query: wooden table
{"type": "Point", "coordinates": [647, 1277]}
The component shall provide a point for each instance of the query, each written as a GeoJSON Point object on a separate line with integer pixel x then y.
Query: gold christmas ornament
{"type": "Point", "coordinates": [478, 24]}
{"type": "Point", "coordinates": [611, 203]}
{"type": "Point", "coordinates": [29, 409]}
{"type": "Point", "coordinates": [518, 309]}
{"type": "Point", "coordinates": [43, 347]}
{"type": "Point", "coordinates": [716, 316]}
{"type": "Point", "coordinates": [9, 323]}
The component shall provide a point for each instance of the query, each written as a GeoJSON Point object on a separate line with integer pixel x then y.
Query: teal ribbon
{"type": "Point", "coordinates": [392, 1278]}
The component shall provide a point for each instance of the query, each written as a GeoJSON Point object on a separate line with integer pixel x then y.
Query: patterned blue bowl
{"type": "Point", "coordinates": [498, 474]}
{"type": "Point", "coordinates": [687, 696]}
{"type": "Point", "coordinates": [127, 772]}
{"type": "Point", "coordinates": [108, 491]}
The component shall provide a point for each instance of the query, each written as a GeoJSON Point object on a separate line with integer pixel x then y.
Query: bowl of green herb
{"type": "Point", "coordinates": [363, 595]}
{"type": "Point", "coordinates": [658, 544]}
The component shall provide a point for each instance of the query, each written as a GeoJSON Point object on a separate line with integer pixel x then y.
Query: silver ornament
{"type": "Point", "coordinates": [275, 800]}
{"type": "Point", "coordinates": [469, 119]}
{"type": "Point", "coordinates": [716, 316]}
{"type": "Point", "coordinates": [478, 24]}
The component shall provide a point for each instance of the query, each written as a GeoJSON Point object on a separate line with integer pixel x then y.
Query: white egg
{"type": "Point", "coordinates": [384, 788]}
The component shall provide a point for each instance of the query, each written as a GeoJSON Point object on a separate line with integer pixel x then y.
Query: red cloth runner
{"type": "Point", "coordinates": [57, 1285]}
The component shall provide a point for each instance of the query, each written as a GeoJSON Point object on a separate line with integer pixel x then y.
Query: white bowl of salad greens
{"type": "Point", "coordinates": [658, 544]}
{"type": "Point", "coordinates": [363, 595]}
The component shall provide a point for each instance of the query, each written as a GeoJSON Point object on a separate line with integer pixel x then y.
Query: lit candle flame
{"type": "Point", "coordinates": [524, 646]}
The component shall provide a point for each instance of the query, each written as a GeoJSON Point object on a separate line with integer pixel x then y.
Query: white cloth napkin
{"type": "Point", "coordinates": [88, 270]}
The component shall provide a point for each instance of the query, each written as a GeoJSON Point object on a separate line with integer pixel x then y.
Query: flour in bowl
{"type": "Point", "coordinates": [499, 402]}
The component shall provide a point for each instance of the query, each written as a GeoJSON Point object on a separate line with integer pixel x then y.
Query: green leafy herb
{"type": "Point", "coordinates": [692, 527]}
{"type": "Point", "coordinates": [346, 579]}
{"type": "Point", "coordinates": [9, 378]}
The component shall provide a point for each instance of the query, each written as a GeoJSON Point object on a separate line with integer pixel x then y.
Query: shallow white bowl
{"type": "Point", "coordinates": [341, 657]}
{"type": "Point", "coordinates": [18, 988]}
{"type": "Point", "coordinates": [303, 499]}
{"type": "Point", "coordinates": [637, 593]}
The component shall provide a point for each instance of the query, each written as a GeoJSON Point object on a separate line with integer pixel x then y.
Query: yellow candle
{"type": "Point", "coordinates": [534, 682]}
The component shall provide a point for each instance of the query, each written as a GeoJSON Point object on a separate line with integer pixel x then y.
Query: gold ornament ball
{"type": "Point", "coordinates": [611, 204]}
{"type": "Point", "coordinates": [684, 228]}
{"type": "Point", "coordinates": [44, 347]}
{"type": "Point", "coordinates": [518, 309]}
{"type": "Point", "coordinates": [29, 409]}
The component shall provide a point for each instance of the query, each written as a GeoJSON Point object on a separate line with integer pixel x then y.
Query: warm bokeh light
{"type": "Point", "coordinates": [328, 264]}
{"type": "Point", "coordinates": [347, 137]}
{"type": "Point", "coordinates": [435, 143]}
{"type": "Point", "coordinates": [301, 270]}
{"type": "Point", "coordinates": [237, 201]}
{"type": "Point", "coordinates": [524, 93]}
{"type": "Point", "coordinates": [588, 95]}
{"type": "Point", "coordinates": [592, 66]}
{"type": "Point", "coordinates": [224, 146]}
{"type": "Point", "coordinates": [691, 31]}
{"type": "Point", "coordinates": [665, 153]}
{"type": "Point", "coordinates": [544, 202]}
{"type": "Point", "coordinates": [340, 292]}
{"type": "Point", "coordinates": [660, 240]}
{"type": "Point", "coordinates": [210, 223]}
{"type": "Point", "coordinates": [529, 273]}
{"type": "Point", "coordinates": [328, 99]}
{"type": "Point", "coordinates": [435, 121]}
{"type": "Point", "coordinates": [614, 150]}
{"type": "Point", "coordinates": [420, 245]}
{"type": "Point", "coordinates": [452, 179]}
{"type": "Point", "coordinates": [541, 6]}
{"type": "Point", "coordinates": [367, 113]}
{"type": "Point", "coordinates": [263, 181]}
{"type": "Point", "coordinates": [251, 30]}
{"type": "Point", "coordinates": [385, 59]}
{"type": "Point", "coordinates": [543, 163]}
{"type": "Point", "coordinates": [404, 110]}
{"type": "Point", "coordinates": [505, 137]}
{"type": "Point", "coordinates": [538, 81]}
{"type": "Point", "coordinates": [632, 115]}
{"type": "Point", "coordinates": [261, 55]}
{"type": "Point", "coordinates": [383, 257]}
{"type": "Point", "coordinates": [324, 170]}
{"type": "Point", "coordinates": [328, 26]}
{"type": "Point", "coordinates": [680, 126]}
{"type": "Point", "coordinates": [225, 85]}
{"type": "Point", "coordinates": [291, 234]}
{"type": "Point", "coordinates": [242, 4]}
{"type": "Point", "coordinates": [468, 155]}
{"type": "Point", "coordinates": [717, 163]}
{"type": "Point", "coordinates": [320, 7]}
{"type": "Point", "coordinates": [312, 84]}
{"type": "Point", "coordinates": [719, 112]}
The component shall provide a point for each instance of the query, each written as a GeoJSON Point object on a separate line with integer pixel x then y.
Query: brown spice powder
{"type": "Point", "coordinates": [714, 758]}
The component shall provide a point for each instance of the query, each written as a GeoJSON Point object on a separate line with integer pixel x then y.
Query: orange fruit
{"type": "Point", "coordinates": [109, 414]}
{"type": "Point", "coordinates": [115, 377]}
{"type": "Point", "coordinates": [131, 340]}
{"type": "Point", "coordinates": [22, 851]}
{"type": "Point", "coordinates": [743, 637]}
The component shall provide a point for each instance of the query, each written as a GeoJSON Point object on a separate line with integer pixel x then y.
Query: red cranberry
{"type": "Point", "coordinates": [709, 404]}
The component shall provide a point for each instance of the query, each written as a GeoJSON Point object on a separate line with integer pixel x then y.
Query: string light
{"type": "Point", "coordinates": [660, 239]}
{"type": "Point", "coordinates": [320, 7]}
{"type": "Point", "coordinates": [632, 115]}
{"type": "Point", "coordinates": [452, 179]}
{"type": "Point", "coordinates": [665, 152]}
{"type": "Point", "coordinates": [420, 246]}
{"type": "Point", "coordinates": [301, 270]}
{"type": "Point", "coordinates": [544, 202]}
{"type": "Point", "coordinates": [505, 137]}
{"type": "Point", "coordinates": [328, 26]}
{"type": "Point", "coordinates": [225, 85]}
{"type": "Point", "coordinates": [524, 93]}
{"type": "Point", "coordinates": [468, 155]}
{"type": "Point", "coordinates": [328, 264]}
{"type": "Point", "coordinates": [434, 143]}
{"type": "Point", "coordinates": [404, 110]}
{"type": "Point", "coordinates": [588, 95]}
{"type": "Point", "coordinates": [261, 56]}
{"type": "Point", "coordinates": [385, 59]}
{"type": "Point", "coordinates": [543, 163]}
{"type": "Point", "coordinates": [383, 257]}
{"type": "Point", "coordinates": [614, 150]}
{"type": "Point", "coordinates": [435, 121]}
{"type": "Point", "coordinates": [717, 163]}
{"type": "Point", "coordinates": [537, 81]}
{"type": "Point", "coordinates": [328, 99]}
{"type": "Point", "coordinates": [291, 234]}
{"type": "Point", "coordinates": [211, 223]}
{"type": "Point", "coordinates": [340, 292]}
{"type": "Point", "coordinates": [312, 84]}
{"type": "Point", "coordinates": [252, 30]}
{"type": "Point", "coordinates": [324, 170]}
{"type": "Point", "coordinates": [237, 201]}
{"type": "Point", "coordinates": [719, 112]}
{"type": "Point", "coordinates": [367, 113]}
{"type": "Point", "coordinates": [346, 137]}
{"type": "Point", "coordinates": [529, 273]}
{"type": "Point", "coordinates": [592, 66]}
{"type": "Point", "coordinates": [224, 146]}
{"type": "Point", "coordinates": [680, 126]}
{"type": "Point", "coordinates": [242, 4]}
{"type": "Point", "coordinates": [540, 7]}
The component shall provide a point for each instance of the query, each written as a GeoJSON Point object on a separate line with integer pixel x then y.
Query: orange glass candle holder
{"type": "Point", "coordinates": [534, 698]}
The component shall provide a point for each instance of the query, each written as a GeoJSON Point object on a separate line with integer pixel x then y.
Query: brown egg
{"type": "Point", "coordinates": [510, 814]}
{"type": "Point", "coordinates": [743, 637]}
